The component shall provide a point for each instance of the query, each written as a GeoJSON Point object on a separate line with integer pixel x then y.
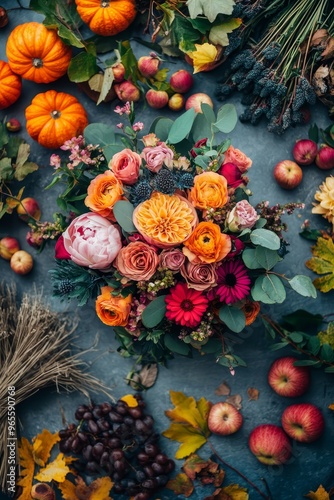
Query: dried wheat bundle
{"type": "Point", "coordinates": [35, 353]}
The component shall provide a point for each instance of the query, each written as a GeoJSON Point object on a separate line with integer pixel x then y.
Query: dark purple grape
{"type": "Point", "coordinates": [151, 449]}
{"type": "Point", "coordinates": [114, 442]}
{"type": "Point", "coordinates": [104, 460]}
{"type": "Point", "coordinates": [87, 415]}
{"type": "Point", "coordinates": [170, 466]}
{"type": "Point", "coordinates": [103, 424]}
{"type": "Point", "coordinates": [121, 408]}
{"type": "Point", "coordinates": [162, 480]}
{"type": "Point", "coordinates": [118, 488]}
{"type": "Point", "coordinates": [143, 458]}
{"type": "Point", "coordinates": [128, 420]}
{"type": "Point", "coordinates": [135, 412]}
{"type": "Point", "coordinates": [115, 417]}
{"type": "Point", "coordinates": [76, 445]}
{"type": "Point", "coordinates": [140, 476]}
{"type": "Point", "coordinates": [148, 471]}
{"type": "Point", "coordinates": [161, 458]}
{"type": "Point", "coordinates": [140, 427]}
{"type": "Point", "coordinates": [97, 450]}
{"type": "Point", "coordinates": [158, 469]}
{"type": "Point", "coordinates": [148, 421]}
{"type": "Point", "coordinates": [97, 412]}
{"type": "Point", "coordinates": [119, 466]}
{"type": "Point", "coordinates": [83, 437]}
{"type": "Point", "coordinates": [91, 467]}
{"type": "Point", "coordinates": [64, 433]}
{"type": "Point", "coordinates": [80, 411]}
{"type": "Point", "coordinates": [150, 484]}
{"type": "Point", "coordinates": [143, 495]}
{"type": "Point", "coordinates": [87, 452]}
{"type": "Point", "coordinates": [92, 426]}
{"type": "Point", "coordinates": [65, 446]}
{"type": "Point", "coordinates": [105, 408]}
{"type": "Point", "coordinates": [117, 454]}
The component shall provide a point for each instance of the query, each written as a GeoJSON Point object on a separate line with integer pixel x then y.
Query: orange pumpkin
{"type": "Point", "coordinates": [37, 53]}
{"type": "Point", "coordinates": [55, 117]}
{"type": "Point", "coordinates": [107, 17]}
{"type": "Point", "coordinates": [10, 86]}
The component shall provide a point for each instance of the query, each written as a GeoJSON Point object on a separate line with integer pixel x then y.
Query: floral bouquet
{"type": "Point", "coordinates": [163, 237]}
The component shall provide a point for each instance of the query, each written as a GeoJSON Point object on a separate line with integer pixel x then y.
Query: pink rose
{"type": "Point", "coordinates": [234, 155]}
{"type": "Point", "coordinates": [92, 241]}
{"type": "Point", "coordinates": [137, 261]}
{"type": "Point", "coordinates": [158, 156]}
{"type": "Point", "coordinates": [150, 140]}
{"type": "Point", "coordinates": [200, 276]}
{"type": "Point", "coordinates": [125, 166]}
{"type": "Point", "coordinates": [232, 174]}
{"type": "Point", "coordinates": [242, 216]}
{"type": "Point", "coordinates": [172, 258]}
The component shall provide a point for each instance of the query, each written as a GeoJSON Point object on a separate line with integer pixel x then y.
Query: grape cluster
{"type": "Point", "coordinates": [120, 441]}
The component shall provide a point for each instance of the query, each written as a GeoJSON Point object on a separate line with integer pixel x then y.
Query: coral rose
{"type": "Point", "coordinates": [209, 191]}
{"type": "Point", "coordinates": [125, 166]}
{"type": "Point", "coordinates": [102, 194]}
{"type": "Point", "coordinates": [251, 310]}
{"type": "Point", "coordinates": [234, 155]}
{"type": "Point", "coordinates": [113, 311]}
{"type": "Point", "coordinates": [172, 259]}
{"type": "Point", "coordinates": [207, 244]}
{"type": "Point", "coordinates": [157, 156]}
{"type": "Point", "coordinates": [200, 276]}
{"type": "Point", "coordinates": [137, 261]}
{"type": "Point", "coordinates": [92, 241]}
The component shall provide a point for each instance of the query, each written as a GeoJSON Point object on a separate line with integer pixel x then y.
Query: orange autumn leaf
{"type": "Point", "coordinates": [42, 446]}
{"type": "Point", "coordinates": [207, 471]}
{"type": "Point", "coordinates": [27, 467]}
{"type": "Point", "coordinates": [97, 490]}
{"type": "Point", "coordinates": [193, 465]}
{"type": "Point", "coordinates": [253, 394]}
{"type": "Point", "coordinates": [331, 406]}
{"type": "Point", "coordinates": [181, 485]}
{"type": "Point", "coordinates": [130, 400]}
{"type": "Point", "coordinates": [56, 470]}
{"type": "Point", "coordinates": [320, 494]}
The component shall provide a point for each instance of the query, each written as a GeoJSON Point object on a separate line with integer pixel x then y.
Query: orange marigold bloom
{"type": "Point", "coordinates": [113, 311]}
{"type": "Point", "coordinates": [165, 220]}
{"type": "Point", "coordinates": [251, 310]}
{"type": "Point", "coordinates": [209, 191]}
{"type": "Point", "coordinates": [207, 244]}
{"type": "Point", "coordinates": [103, 192]}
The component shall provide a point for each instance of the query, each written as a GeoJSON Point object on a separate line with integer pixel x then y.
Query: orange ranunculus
{"type": "Point", "coordinates": [251, 310]}
{"type": "Point", "coordinates": [125, 166]}
{"type": "Point", "coordinates": [103, 192]}
{"type": "Point", "coordinates": [113, 311]}
{"type": "Point", "coordinates": [209, 191]}
{"type": "Point", "coordinates": [207, 244]}
{"type": "Point", "coordinates": [234, 155]}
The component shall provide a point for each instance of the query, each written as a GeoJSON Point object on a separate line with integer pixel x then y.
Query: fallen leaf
{"type": "Point", "coordinates": [212, 474]}
{"type": "Point", "coordinates": [203, 56]}
{"type": "Point", "coordinates": [322, 262]}
{"type": "Point", "coordinates": [218, 494]}
{"type": "Point", "coordinates": [97, 490]}
{"type": "Point", "coordinates": [320, 494]}
{"type": "Point", "coordinates": [235, 401]}
{"type": "Point", "coordinates": [148, 375]}
{"type": "Point", "coordinates": [190, 438]}
{"type": "Point", "coordinates": [253, 394]}
{"type": "Point", "coordinates": [42, 446]}
{"type": "Point", "coordinates": [54, 471]}
{"type": "Point", "coordinates": [331, 406]}
{"type": "Point", "coordinates": [130, 400]}
{"type": "Point", "coordinates": [329, 50]}
{"type": "Point", "coordinates": [193, 465]}
{"type": "Point", "coordinates": [236, 492]}
{"type": "Point", "coordinates": [27, 468]}
{"type": "Point", "coordinates": [223, 390]}
{"type": "Point", "coordinates": [181, 485]}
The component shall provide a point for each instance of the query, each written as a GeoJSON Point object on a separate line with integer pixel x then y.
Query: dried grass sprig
{"type": "Point", "coordinates": [35, 353]}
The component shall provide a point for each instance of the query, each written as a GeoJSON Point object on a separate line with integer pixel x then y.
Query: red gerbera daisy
{"type": "Point", "coordinates": [233, 282]}
{"type": "Point", "coordinates": [185, 306]}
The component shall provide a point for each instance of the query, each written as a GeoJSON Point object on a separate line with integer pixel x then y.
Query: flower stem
{"type": "Point", "coordinates": [237, 471]}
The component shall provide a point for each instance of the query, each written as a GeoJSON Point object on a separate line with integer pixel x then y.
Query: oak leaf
{"type": "Point", "coordinates": [322, 262]}
{"type": "Point", "coordinates": [27, 467]}
{"type": "Point", "coordinates": [56, 470]}
{"type": "Point", "coordinates": [320, 494]}
{"type": "Point", "coordinates": [42, 446]}
{"type": "Point", "coordinates": [181, 485]}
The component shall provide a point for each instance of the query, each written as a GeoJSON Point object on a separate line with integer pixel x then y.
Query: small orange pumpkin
{"type": "Point", "coordinates": [10, 86]}
{"type": "Point", "coordinates": [107, 17]}
{"type": "Point", "coordinates": [37, 53]}
{"type": "Point", "coordinates": [55, 117]}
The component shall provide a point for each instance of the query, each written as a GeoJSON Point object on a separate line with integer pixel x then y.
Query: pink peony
{"type": "Point", "coordinates": [92, 241]}
{"type": "Point", "coordinates": [234, 155]}
{"type": "Point", "coordinates": [137, 261]}
{"type": "Point", "coordinates": [157, 156]}
{"type": "Point", "coordinates": [242, 216]}
{"type": "Point", "coordinates": [172, 259]}
{"type": "Point", "coordinates": [200, 276]}
{"type": "Point", "coordinates": [125, 166]}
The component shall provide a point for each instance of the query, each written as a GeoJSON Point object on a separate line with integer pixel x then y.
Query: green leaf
{"type": "Point", "coordinates": [261, 222]}
{"type": "Point", "coordinates": [200, 24]}
{"type": "Point", "coordinates": [278, 345]}
{"type": "Point", "coordinates": [99, 133]}
{"type": "Point", "coordinates": [326, 353]}
{"type": "Point", "coordinates": [258, 294]}
{"type": "Point", "coordinates": [209, 8]}
{"type": "Point", "coordinates": [185, 36]}
{"type": "Point", "coordinates": [110, 150]}
{"type": "Point", "coordinates": [108, 79]}
{"type": "Point", "coordinates": [219, 33]}
{"type": "Point", "coordinates": [181, 127]}
{"type": "Point", "coordinates": [212, 346]}
{"type": "Point", "coordinates": [329, 369]}
{"type": "Point", "coordinates": [266, 258]}
{"type": "Point", "coordinates": [202, 161]}
{"type": "Point", "coordinates": [82, 67]}
{"type": "Point", "coordinates": [249, 258]}
{"type": "Point", "coordinates": [304, 286]}
{"type": "Point", "coordinates": [27, 168]}
{"type": "Point", "coordinates": [12, 146]}
{"type": "Point", "coordinates": [176, 345]}
{"type": "Point", "coordinates": [62, 11]}
{"type": "Point", "coordinates": [265, 238]}
{"type": "Point", "coordinates": [6, 169]}
{"type": "Point", "coordinates": [274, 288]}
{"type": "Point", "coordinates": [4, 136]}
{"type": "Point", "coordinates": [154, 313]}
{"type": "Point", "coordinates": [296, 337]}
{"type": "Point", "coordinates": [313, 133]}
{"type": "Point", "coordinates": [161, 127]}
{"type": "Point", "coordinates": [226, 119]}
{"type": "Point", "coordinates": [123, 212]}
{"type": "Point", "coordinates": [303, 319]}
{"type": "Point", "coordinates": [233, 318]}
{"type": "Point", "coordinates": [313, 345]}
{"type": "Point", "coordinates": [68, 36]}
{"type": "Point", "coordinates": [201, 127]}
{"type": "Point", "coordinates": [270, 329]}
{"type": "Point", "coordinates": [307, 362]}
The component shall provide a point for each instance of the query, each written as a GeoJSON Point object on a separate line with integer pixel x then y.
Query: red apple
{"type": "Point", "coordinates": [28, 208]}
{"type": "Point", "coordinates": [127, 91]}
{"type": "Point", "coordinates": [119, 72]}
{"type": "Point", "coordinates": [21, 262]}
{"type": "Point", "coordinates": [270, 444]}
{"type": "Point", "coordinates": [288, 174]}
{"type": "Point", "coordinates": [224, 419]}
{"type": "Point", "coordinates": [325, 158]}
{"type": "Point", "coordinates": [13, 125]}
{"type": "Point", "coordinates": [157, 99]}
{"type": "Point", "coordinates": [176, 102]}
{"type": "Point", "coordinates": [8, 246]}
{"type": "Point", "coordinates": [305, 151]}
{"type": "Point", "coordinates": [303, 422]}
{"type": "Point", "coordinates": [149, 65]}
{"type": "Point", "coordinates": [288, 380]}
{"type": "Point", "coordinates": [181, 81]}
{"type": "Point", "coordinates": [195, 101]}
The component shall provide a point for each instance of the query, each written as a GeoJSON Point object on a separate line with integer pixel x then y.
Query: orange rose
{"type": "Point", "coordinates": [125, 166]}
{"type": "Point", "coordinates": [207, 244]}
{"type": "Point", "coordinates": [137, 261]}
{"type": "Point", "coordinates": [251, 310]}
{"type": "Point", "coordinates": [209, 191]}
{"type": "Point", "coordinates": [113, 311]}
{"type": "Point", "coordinates": [103, 192]}
{"type": "Point", "coordinates": [234, 155]}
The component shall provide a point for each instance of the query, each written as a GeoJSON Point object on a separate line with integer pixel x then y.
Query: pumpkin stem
{"type": "Point", "coordinates": [55, 114]}
{"type": "Point", "coordinates": [105, 4]}
{"type": "Point", "coordinates": [37, 62]}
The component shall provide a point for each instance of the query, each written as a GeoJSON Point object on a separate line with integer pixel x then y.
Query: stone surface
{"type": "Point", "coordinates": [310, 465]}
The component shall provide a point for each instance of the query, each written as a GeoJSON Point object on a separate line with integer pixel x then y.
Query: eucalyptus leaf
{"type": "Point", "coordinates": [249, 259]}
{"type": "Point", "coordinates": [326, 353]}
{"type": "Point", "coordinates": [313, 345]}
{"type": "Point", "coordinates": [266, 258]}
{"type": "Point", "coordinates": [154, 313]}
{"type": "Point", "coordinates": [161, 128]}
{"type": "Point", "coordinates": [227, 118]}
{"type": "Point", "coordinates": [265, 238]}
{"type": "Point", "coordinates": [296, 337]}
{"type": "Point", "coordinates": [274, 288]}
{"type": "Point", "coordinates": [110, 150]}
{"type": "Point", "coordinates": [261, 222]}
{"type": "Point", "coordinates": [123, 212]}
{"type": "Point", "coordinates": [329, 369]}
{"type": "Point", "coordinates": [307, 362]}
{"type": "Point", "coordinates": [176, 345]}
{"type": "Point", "coordinates": [303, 319]}
{"type": "Point", "coordinates": [233, 318]}
{"type": "Point", "coordinates": [181, 127]}
{"type": "Point", "coordinates": [201, 127]}
{"type": "Point", "coordinates": [303, 285]}
{"type": "Point", "coordinates": [202, 161]}
{"type": "Point", "coordinates": [213, 346]}
{"type": "Point", "coordinates": [278, 345]}
{"type": "Point", "coordinates": [99, 133]}
{"type": "Point", "coordinates": [259, 294]}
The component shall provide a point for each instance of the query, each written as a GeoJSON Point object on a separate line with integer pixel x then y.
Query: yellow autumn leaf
{"type": "Point", "coordinates": [219, 33]}
{"type": "Point", "coordinates": [67, 489]}
{"type": "Point", "coordinates": [331, 406]}
{"type": "Point", "coordinates": [27, 468]}
{"type": "Point", "coordinates": [130, 400]}
{"type": "Point", "coordinates": [320, 494]}
{"type": "Point", "coordinates": [97, 490]}
{"type": "Point", "coordinates": [100, 488]}
{"type": "Point", "coordinates": [186, 412]}
{"type": "Point", "coordinates": [203, 55]}
{"type": "Point", "coordinates": [54, 471]}
{"type": "Point", "coordinates": [190, 438]}
{"type": "Point", "coordinates": [322, 262]}
{"type": "Point", "coordinates": [42, 446]}
{"type": "Point", "coordinates": [236, 492]}
{"type": "Point", "coordinates": [177, 397]}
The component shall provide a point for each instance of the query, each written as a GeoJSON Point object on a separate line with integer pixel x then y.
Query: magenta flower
{"type": "Point", "coordinates": [233, 282]}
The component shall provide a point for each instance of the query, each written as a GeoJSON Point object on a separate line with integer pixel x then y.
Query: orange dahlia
{"type": "Point", "coordinates": [165, 220]}
{"type": "Point", "coordinates": [209, 191]}
{"type": "Point", "coordinates": [207, 244]}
